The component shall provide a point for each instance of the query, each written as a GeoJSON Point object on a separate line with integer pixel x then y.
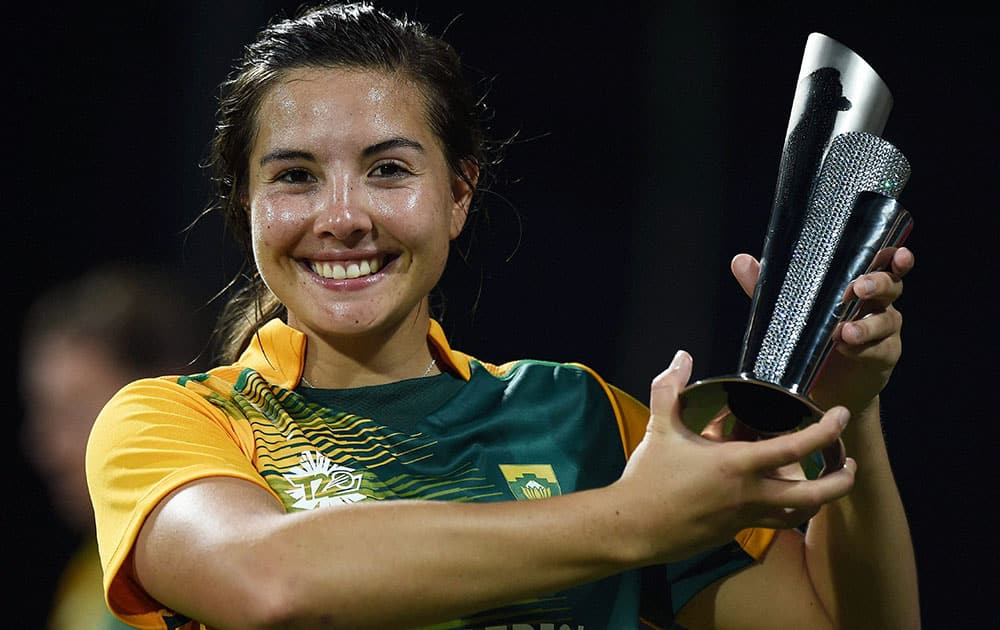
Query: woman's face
{"type": "Point", "coordinates": [352, 204]}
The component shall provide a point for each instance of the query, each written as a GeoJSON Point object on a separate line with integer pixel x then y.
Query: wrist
{"type": "Point", "coordinates": [623, 543]}
{"type": "Point", "coordinates": [863, 430]}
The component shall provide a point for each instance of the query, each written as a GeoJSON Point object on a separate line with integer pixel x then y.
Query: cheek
{"type": "Point", "coordinates": [271, 225]}
{"type": "Point", "coordinates": [416, 216]}
{"type": "Point", "coordinates": [397, 208]}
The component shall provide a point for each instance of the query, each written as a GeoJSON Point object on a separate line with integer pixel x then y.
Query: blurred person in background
{"type": "Point", "coordinates": [81, 341]}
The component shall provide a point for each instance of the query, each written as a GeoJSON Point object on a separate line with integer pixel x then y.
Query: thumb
{"type": "Point", "coordinates": [666, 387]}
{"type": "Point", "coordinates": [746, 269]}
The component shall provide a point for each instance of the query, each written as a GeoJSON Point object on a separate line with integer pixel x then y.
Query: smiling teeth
{"type": "Point", "coordinates": [338, 271]}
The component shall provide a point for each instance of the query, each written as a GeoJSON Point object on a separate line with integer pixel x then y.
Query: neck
{"type": "Point", "coordinates": [373, 358]}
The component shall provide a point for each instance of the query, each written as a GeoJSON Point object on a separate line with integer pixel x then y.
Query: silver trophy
{"type": "Point", "coordinates": [834, 218]}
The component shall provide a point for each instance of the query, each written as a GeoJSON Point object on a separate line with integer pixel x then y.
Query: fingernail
{"type": "Point", "coordinates": [864, 287]}
{"type": "Point", "coordinates": [678, 359]}
{"type": "Point", "coordinates": [842, 417]}
{"type": "Point", "coordinates": [851, 332]}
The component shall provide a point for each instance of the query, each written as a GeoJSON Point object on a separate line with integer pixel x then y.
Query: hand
{"type": "Point", "coordinates": [683, 492]}
{"type": "Point", "coordinates": [866, 348]}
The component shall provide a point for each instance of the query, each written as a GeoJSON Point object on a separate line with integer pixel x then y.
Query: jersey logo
{"type": "Point", "coordinates": [531, 481]}
{"type": "Point", "coordinates": [317, 481]}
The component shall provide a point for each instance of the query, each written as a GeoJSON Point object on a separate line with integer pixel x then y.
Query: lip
{"type": "Point", "coordinates": [348, 271]}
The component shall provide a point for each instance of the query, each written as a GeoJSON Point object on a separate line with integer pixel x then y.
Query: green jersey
{"type": "Point", "coordinates": [523, 431]}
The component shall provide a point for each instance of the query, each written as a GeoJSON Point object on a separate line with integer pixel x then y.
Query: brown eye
{"type": "Point", "coordinates": [295, 176]}
{"type": "Point", "coordinates": [390, 170]}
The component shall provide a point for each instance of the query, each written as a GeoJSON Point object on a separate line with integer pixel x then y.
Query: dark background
{"type": "Point", "coordinates": [648, 144]}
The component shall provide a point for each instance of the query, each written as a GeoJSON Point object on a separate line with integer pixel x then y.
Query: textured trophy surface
{"type": "Point", "coordinates": [834, 217]}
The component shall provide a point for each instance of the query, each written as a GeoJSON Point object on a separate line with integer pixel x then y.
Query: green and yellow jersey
{"type": "Point", "coordinates": [525, 430]}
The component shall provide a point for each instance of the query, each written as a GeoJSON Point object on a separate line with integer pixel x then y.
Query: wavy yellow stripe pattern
{"type": "Point", "coordinates": [311, 455]}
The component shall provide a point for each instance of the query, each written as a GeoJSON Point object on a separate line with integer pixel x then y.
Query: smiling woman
{"type": "Point", "coordinates": [352, 205]}
{"type": "Point", "coordinates": [343, 467]}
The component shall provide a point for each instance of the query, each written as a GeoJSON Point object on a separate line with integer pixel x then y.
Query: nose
{"type": "Point", "coordinates": [344, 213]}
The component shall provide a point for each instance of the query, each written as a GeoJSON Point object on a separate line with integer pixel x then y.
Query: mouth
{"type": "Point", "coordinates": [347, 269]}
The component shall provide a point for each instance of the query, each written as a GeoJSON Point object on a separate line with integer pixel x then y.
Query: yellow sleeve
{"type": "Point", "coordinates": [632, 418]}
{"type": "Point", "coordinates": [152, 437]}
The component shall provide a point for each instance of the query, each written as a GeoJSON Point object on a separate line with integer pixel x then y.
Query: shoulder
{"type": "Point", "coordinates": [176, 401]}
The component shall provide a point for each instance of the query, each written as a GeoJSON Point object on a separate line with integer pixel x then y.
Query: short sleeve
{"type": "Point", "coordinates": [152, 437]}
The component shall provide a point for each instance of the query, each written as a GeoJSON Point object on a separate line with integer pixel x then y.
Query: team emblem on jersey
{"type": "Point", "coordinates": [531, 481]}
{"type": "Point", "coordinates": [317, 481]}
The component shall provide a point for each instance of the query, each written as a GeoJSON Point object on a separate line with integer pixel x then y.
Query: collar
{"type": "Point", "coordinates": [278, 353]}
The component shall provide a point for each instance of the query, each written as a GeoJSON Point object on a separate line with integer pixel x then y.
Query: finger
{"type": "Point", "coordinates": [875, 292]}
{"type": "Point", "coordinates": [903, 262]}
{"type": "Point", "coordinates": [873, 328]}
{"type": "Point", "coordinates": [715, 430]}
{"type": "Point", "coordinates": [746, 269]}
{"type": "Point", "coordinates": [663, 393]}
{"type": "Point", "coordinates": [880, 287]}
{"type": "Point", "coordinates": [791, 448]}
{"type": "Point", "coordinates": [794, 498]}
{"type": "Point", "coordinates": [726, 427]}
{"type": "Point", "coordinates": [797, 501]}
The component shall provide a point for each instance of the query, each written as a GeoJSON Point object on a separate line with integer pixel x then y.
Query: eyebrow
{"type": "Point", "coordinates": [285, 154]}
{"type": "Point", "coordinates": [398, 142]}
{"type": "Point", "coordinates": [392, 143]}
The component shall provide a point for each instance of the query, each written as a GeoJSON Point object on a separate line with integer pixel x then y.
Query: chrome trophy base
{"type": "Point", "coordinates": [749, 409]}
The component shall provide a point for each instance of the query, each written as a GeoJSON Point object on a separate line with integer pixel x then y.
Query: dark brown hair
{"type": "Point", "coordinates": [355, 35]}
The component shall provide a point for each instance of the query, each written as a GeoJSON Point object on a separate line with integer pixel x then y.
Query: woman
{"type": "Point", "coordinates": [346, 468]}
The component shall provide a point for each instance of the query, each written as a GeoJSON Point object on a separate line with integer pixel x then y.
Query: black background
{"type": "Point", "coordinates": [648, 145]}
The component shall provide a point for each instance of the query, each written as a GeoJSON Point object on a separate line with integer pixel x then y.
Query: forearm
{"type": "Point", "coordinates": [391, 564]}
{"type": "Point", "coordinates": [858, 549]}
{"type": "Point", "coordinates": [433, 561]}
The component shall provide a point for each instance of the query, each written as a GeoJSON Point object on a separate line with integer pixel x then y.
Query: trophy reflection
{"type": "Point", "coordinates": [834, 217]}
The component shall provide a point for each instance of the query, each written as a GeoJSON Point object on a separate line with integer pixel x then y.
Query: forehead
{"type": "Point", "coordinates": [342, 105]}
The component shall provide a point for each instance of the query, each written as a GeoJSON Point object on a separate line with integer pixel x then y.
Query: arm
{"type": "Point", "coordinates": [857, 558]}
{"type": "Point", "coordinates": [223, 550]}
{"type": "Point", "coordinates": [859, 549]}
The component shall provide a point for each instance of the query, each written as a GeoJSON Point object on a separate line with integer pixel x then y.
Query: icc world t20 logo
{"type": "Point", "coordinates": [317, 481]}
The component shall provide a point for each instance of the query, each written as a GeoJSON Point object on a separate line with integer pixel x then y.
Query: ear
{"type": "Point", "coordinates": [461, 196]}
{"type": "Point", "coordinates": [244, 196]}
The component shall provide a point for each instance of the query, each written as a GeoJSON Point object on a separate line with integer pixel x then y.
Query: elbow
{"type": "Point", "coordinates": [271, 602]}
{"type": "Point", "coordinates": [283, 600]}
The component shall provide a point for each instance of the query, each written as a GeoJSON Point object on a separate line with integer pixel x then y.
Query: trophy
{"type": "Point", "coordinates": [834, 217]}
